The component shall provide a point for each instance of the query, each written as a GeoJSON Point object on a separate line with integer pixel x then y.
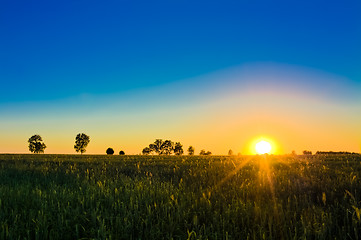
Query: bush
{"type": "Point", "coordinates": [204, 153]}
{"type": "Point", "coordinates": [110, 151]}
{"type": "Point", "coordinates": [306, 152]}
{"type": "Point", "coordinates": [121, 153]}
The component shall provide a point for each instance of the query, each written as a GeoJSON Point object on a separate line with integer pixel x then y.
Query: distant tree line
{"type": "Point", "coordinates": [331, 152]}
{"type": "Point", "coordinates": [161, 147]}
{"type": "Point", "coordinates": [36, 144]}
{"type": "Point", "coordinates": [167, 147]}
{"type": "Point", "coordinates": [306, 152]}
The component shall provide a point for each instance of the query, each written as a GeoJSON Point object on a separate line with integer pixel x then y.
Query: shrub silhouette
{"type": "Point", "coordinates": [204, 153]}
{"type": "Point", "coordinates": [306, 152]}
{"type": "Point", "coordinates": [191, 150]}
{"type": "Point", "coordinates": [110, 151]}
{"type": "Point", "coordinates": [121, 153]}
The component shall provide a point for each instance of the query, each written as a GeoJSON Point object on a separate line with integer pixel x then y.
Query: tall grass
{"type": "Point", "coordinates": [185, 197]}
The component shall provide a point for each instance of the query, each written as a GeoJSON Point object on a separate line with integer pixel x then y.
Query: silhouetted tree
{"type": "Point", "coordinates": [156, 146]}
{"type": "Point", "coordinates": [203, 152]}
{"type": "Point", "coordinates": [36, 144]}
{"type": "Point", "coordinates": [167, 147]}
{"type": "Point", "coordinates": [191, 150]}
{"type": "Point", "coordinates": [305, 152]}
{"type": "Point", "coordinates": [230, 152]}
{"type": "Point", "coordinates": [110, 151]}
{"type": "Point", "coordinates": [81, 142]}
{"type": "Point", "coordinates": [178, 148]}
{"type": "Point", "coordinates": [121, 153]}
{"type": "Point", "coordinates": [146, 151]}
{"type": "Point", "coordinates": [160, 147]}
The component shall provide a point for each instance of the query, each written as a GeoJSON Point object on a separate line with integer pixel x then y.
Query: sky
{"type": "Point", "coordinates": [216, 75]}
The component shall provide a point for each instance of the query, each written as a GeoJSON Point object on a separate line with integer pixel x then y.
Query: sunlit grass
{"type": "Point", "coordinates": [164, 197]}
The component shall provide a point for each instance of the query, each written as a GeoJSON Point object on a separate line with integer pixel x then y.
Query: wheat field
{"type": "Point", "coordinates": [180, 197]}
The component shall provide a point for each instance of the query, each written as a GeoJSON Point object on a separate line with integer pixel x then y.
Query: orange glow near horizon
{"type": "Point", "coordinates": [235, 117]}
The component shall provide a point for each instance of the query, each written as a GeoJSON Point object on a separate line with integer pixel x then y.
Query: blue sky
{"type": "Point", "coordinates": [83, 59]}
{"type": "Point", "coordinates": [59, 49]}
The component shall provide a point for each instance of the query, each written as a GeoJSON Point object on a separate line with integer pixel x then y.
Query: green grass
{"type": "Point", "coordinates": [169, 197]}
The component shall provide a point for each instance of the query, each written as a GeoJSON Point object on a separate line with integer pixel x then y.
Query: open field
{"type": "Point", "coordinates": [180, 197]}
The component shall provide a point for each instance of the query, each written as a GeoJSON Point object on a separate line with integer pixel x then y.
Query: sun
{"type": "Point", "coordinates": [263, 147]}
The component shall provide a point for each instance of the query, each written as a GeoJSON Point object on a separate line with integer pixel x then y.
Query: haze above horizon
{"type": "Point", "coordinates": [214, 75]}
